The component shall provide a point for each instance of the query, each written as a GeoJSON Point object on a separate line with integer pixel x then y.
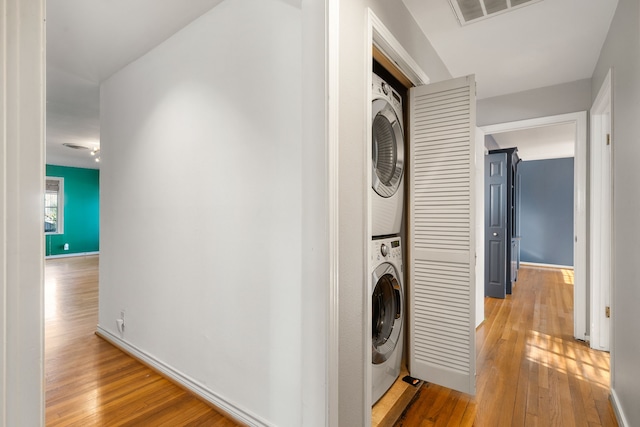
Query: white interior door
{"type": "Point", "coordinates": [601, 234]}
{"type": "Point", "coordinates": [441, 233]}
{"type": "Point", "coordinates": [601, 219]}
{"type": "Point", "coordinates": [605, 239]}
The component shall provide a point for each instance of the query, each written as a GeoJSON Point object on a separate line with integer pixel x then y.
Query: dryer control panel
{"type": "Point", "coordinates": [382, 88]}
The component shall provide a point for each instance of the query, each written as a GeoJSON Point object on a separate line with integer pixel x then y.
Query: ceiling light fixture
{"type": "Point", "coordinates": [468, 11]}
{"type": "Point", "coordinates": [75, 146]}
{"type": "Point", "coordinates": [96, 153]}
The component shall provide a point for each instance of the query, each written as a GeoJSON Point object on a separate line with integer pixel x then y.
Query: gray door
{"type": "Point", "coordinates": [495, 283]}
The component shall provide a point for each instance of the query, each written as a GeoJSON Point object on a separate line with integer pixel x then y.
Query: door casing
{"type": "Point", "coordinates": [379, 35]}
{"type": "Point", "coordinates": [601, 218]}
{"type": "Point", "coordinates": [580, 310]}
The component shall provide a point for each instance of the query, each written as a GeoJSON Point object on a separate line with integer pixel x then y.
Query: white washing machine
{"type": "Point", "coordinates": [387, 307]}
{"type": "Point", "coordinates": [387, 162]}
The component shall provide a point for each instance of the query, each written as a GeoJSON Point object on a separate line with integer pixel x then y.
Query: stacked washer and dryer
{"type": "Point", "coordinates": [387, 201]}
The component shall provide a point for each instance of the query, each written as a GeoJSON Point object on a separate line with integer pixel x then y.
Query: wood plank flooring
{"type": "Point", "coordinates": [531, 371]}
{"type": "Point", "coordinates": [89, 382]}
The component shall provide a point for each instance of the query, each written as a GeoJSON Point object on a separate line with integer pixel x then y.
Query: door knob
{"type": "Point", "coordinates": [495, 234]}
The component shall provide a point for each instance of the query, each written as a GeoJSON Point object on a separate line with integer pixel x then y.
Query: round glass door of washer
{"type": "Point", "coordinates": [387, 303]}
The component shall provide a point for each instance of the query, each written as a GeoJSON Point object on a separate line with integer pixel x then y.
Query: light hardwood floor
{"type": "Point", "coordinates": [531, 371]}
{"type": "Point", "coordinates": [88, 382]}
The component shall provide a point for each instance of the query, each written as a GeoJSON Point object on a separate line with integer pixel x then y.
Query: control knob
{"type": "Point", "coordinates": [384, 250]}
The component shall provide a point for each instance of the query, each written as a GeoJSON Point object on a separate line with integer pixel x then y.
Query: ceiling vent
{"type": "Point", "coordinates": [468, 11]}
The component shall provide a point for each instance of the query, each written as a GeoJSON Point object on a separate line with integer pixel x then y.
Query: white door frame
{"type": "Point", "coordinates": [479, 191]}
{"type": "Point", "coordinates": [601, 174]}
{"type": "Point", "coordinates": [332, 29]}
{"type": "Point", "coordinates": [22, 119]}
{"type": "Point", "coordinates": [579, 119]}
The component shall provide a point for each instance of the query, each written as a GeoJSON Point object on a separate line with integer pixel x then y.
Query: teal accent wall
{"type": "Point", "coordinates": [81, 211]}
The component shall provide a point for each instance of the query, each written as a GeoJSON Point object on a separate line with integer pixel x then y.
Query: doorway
{"type": "Point", "coordinates": [578, 122]}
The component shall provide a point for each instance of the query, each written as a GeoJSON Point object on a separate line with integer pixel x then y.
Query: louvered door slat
{"type": "Point", "coordinates": [441, 236]}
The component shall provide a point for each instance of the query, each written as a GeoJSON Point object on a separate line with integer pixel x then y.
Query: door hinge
{"type": "Point", "coordinates": [607, 311]}
{"type": "Point", "coordinates": [608, 139]}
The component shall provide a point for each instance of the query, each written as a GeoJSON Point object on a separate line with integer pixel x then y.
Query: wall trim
{"type": "Point", "coordinates": [617, 408]}
{"type": "Point", "coordinates": [332, 70]}
{"type": "Point", "coordinates": [22, 144]}
{"type": "Point", "coordinates": [384, 40]}
{"type": "Point", "coordinates": [183, 380]}
{"type": "Point", "coordinates": [77, 254]}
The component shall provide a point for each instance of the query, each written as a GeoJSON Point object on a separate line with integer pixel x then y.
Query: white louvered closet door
{"type": "Point", "coordinates": [441, 233]}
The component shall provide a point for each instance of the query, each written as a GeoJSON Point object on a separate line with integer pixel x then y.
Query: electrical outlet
{"type": "Point", "coordinates": [120, 322]}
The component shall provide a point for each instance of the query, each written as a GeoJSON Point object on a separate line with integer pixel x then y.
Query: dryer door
{"type": "Point", "coordinates": [387, 312]}
{"type": "Point", "coordinates": [387, 149]}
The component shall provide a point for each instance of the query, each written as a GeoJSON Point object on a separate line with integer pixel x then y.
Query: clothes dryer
{"type": "Point", "coordinates": [387, 162]}
{"type": "Point", "coordinates": [387, 308]}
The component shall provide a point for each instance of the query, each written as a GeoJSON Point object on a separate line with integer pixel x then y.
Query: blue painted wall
{"type": "Point", "coordinates": [546, 211]}
{"type": "Point", "coordinates": [81, 211]}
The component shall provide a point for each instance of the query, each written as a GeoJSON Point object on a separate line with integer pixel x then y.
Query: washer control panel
{"type": "Point", "coordinates": [387, 249]}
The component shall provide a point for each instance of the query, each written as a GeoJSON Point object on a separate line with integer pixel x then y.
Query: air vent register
{"type": "Point", "coordinates": [468, 11]}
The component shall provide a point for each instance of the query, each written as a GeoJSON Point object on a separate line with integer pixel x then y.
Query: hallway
{"type": "Point", "coordinates": [531, 371]}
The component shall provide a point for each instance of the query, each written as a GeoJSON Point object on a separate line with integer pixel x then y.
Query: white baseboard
{"type": "Point", "coordinates": [622, 420]}
{"type": "Point", "coordinates": [537, 264]}
{"type": "Point", "coordinates": [71, 255]}
{"type": "Point", "coordinates": [221, 404]}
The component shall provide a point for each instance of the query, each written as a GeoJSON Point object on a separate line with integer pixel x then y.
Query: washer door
{"type": "Point", "coordinates": [387, 148]}
{"type": "Point", "coordinates": [387, 303]}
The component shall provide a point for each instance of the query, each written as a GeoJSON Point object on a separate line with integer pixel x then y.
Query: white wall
{"type": "Point", "coordinates": [355, 51]}
{"type": "Point", "coordinates": [542, 102]}
{"type": "Point", "coordinates": [622, 52]}
{"type": "Point", "coordinates": [205, 184]}
{"type": "Point", "coordinates": [22, 94]}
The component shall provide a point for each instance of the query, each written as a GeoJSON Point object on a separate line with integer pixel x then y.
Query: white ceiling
{"type": "Point", "coordinates": [542, 44]}
{"type": "Point", "coordinates": [545, 142]}
{"type": "Point", "coordinates": [88, 41]}
{"type": "Point", "coordinates": [550, 42]}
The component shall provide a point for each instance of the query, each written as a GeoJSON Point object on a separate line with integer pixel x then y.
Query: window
{"type": "Point", "coordinates": [53, 206]}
